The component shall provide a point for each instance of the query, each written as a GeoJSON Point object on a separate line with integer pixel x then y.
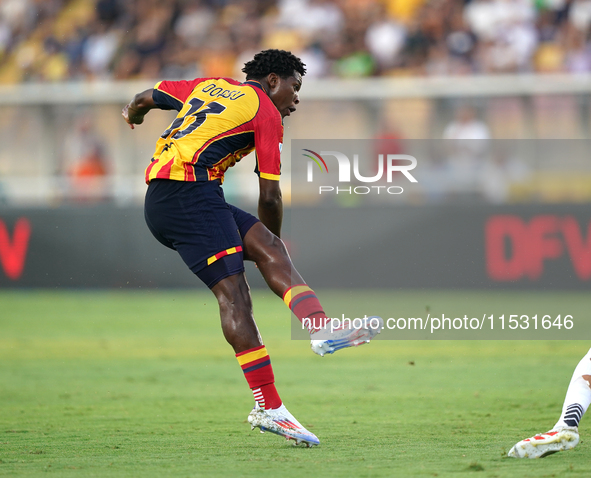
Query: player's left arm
{"type": "Point", "coordinates": [270, 207]}
{"type": "Point", "coordinates": [268, 139]}
{"type": "Point", "coordinates": [136, 109]}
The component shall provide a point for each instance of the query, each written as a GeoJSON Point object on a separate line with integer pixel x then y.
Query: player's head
{"type": "Point", "coordinates": [281, 74]}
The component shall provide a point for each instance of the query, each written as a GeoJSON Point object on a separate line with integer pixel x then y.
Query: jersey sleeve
{"type": "Point", "coordinates": [268, 141]}
{"type": "Point", "coordinates": [171, 95]}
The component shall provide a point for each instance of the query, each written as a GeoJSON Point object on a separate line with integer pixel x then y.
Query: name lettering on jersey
{"type": "Point", "coordinates": [217, 92]}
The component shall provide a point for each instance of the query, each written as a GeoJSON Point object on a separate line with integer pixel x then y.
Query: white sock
{"type": "Point", "coordinates": [578, 395]}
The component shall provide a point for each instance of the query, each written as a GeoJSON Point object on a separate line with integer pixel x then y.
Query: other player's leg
{"type": "Point", "coordinates": [565, 434]}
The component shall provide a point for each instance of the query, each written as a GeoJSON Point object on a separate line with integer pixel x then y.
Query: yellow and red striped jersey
{"type": "Point", "coordinates": [220, 121]}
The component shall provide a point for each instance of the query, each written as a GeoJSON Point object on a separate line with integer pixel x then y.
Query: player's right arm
{"type": "Point", "coordinates": [136, 109]}
{"type": "Point", "coordinates": [166, 95]}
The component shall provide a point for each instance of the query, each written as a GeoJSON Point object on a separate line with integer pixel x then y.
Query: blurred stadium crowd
{"type": "Point", "coordinates": [55, 40]}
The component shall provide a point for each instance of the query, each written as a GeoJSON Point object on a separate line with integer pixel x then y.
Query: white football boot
{"type": "Point", "coordinates": [544, 444]}
{"type": "Point", "coordinates": [326, 342]}
{"type": "Point", "coordinates": [283, 423]}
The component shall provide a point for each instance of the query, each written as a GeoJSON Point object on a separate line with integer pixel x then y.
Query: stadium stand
{"type": "Point", "coordinates": [56, 40]}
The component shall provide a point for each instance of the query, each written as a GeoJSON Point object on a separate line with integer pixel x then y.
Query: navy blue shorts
{"type": "Point", "coordinates": [194, 219]}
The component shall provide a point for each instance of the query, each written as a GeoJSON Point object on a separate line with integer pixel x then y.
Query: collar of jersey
{"type": "Point", "coordinates": [254, 83]}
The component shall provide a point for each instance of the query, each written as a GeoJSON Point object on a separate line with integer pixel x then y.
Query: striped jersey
{"type": "Point", "coordinates": [220, 120]}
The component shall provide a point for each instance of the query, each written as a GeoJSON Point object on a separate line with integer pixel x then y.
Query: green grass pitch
{"type": "Point", "coordinates": [142, 384]}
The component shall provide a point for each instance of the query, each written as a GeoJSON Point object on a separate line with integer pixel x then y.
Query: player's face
{"type": "Point", "coordinates": [284, 93]}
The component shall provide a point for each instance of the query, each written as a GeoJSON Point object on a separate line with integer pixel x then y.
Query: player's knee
{"type": "Point", "coordinates": [234, 297]}
{"type": "Point", "coordinates": [277, 249]}
{"type": "Point", "coordinates": [231, 287]}
{"type": "Point", "coordinates": [237, 301]}
{"type": "Point", "coordinates": [271, 250]}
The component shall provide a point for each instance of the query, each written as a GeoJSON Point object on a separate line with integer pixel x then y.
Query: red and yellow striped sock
{"type": "Point", "coordinates": [258, 372]}
{"type": "Point", "coordinates": [305, 305]}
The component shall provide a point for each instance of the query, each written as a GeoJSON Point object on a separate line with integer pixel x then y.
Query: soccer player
{"type": "Point", "coordinates": [565, 434]}
{"type": "Point", "coordinates": [219, 121]}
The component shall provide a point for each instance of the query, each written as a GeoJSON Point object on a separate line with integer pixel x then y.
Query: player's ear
{"type": "Point", "coordinates": [273, 80]}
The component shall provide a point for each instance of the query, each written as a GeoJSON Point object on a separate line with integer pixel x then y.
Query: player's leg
{"type": "Point", "coordinates": [578, 395]}
{"type": "Point", "coordinates": [194, 220]}
{"type": "Point", "coordinates": [198, 223]}
{"type": "Point", "coordinates": [272, 258]}
{"type": "Point", "coordinates": [241, 332]}
{"type": "Point", "coordinates": [238, 324]}
{"type": "Point", "coordinates": [565, 434]}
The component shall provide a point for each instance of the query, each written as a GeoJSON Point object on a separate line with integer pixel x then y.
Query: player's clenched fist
{"type": "Point", "coordinates": [133, 113]}
{"type": "Point", "coordinates": [135, 119]}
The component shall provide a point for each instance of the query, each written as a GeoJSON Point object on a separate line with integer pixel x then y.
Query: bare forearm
{"type": "Point", "coordinates": [139, 106]}
{"type": "Point", "coordinates": [271, 214]}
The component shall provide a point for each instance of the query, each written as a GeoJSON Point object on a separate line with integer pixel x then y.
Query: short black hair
{"type": "Point", "coordinates": [280, 62]}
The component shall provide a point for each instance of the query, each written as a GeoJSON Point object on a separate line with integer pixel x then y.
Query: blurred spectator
{"type": "Point", "coordinates": [500, 173]}
{"type": "Point", "coordinates": [312, 17]}
{"type": "Point", "coordinates": [315, 60]}
{"type": "Point", "coordinates": [19, 15]}
{"type": "Point", "coordinates": [387, 141]}
{"type": "Point", "coordinates": [580, 14]}
{"type": "Point", "coordinates": [578, 58]}
{"type": "Point", "coordinates": [84, 161]}
{"type": "Point", "coordinates": [99, 49]}
{"type": "Point", "coordinates": [507, 33]}
{"type": "Point", "coordinates": [194, 23]}
{"type": "Point", "coordinates": [385, 40]}
{"type": "Point", "coordinates": [466, 126]}
{"type": "Point", "coordinates": [467, 144]}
